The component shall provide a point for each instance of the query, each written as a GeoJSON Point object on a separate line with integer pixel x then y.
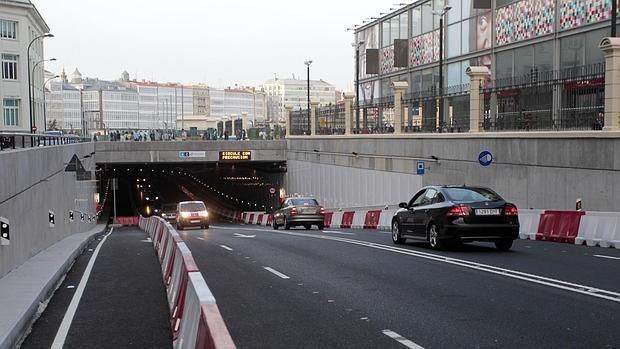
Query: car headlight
{"type": "Point", "coordinates": [186, 214]}
{"type": "Point", "coordinates": [203, 214]}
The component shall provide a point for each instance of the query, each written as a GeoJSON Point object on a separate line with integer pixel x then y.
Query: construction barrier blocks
{"type": "Point", "coordinates": [195, 319]}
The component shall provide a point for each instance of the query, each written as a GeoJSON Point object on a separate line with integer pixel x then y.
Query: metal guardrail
{"type": "Point", "coordinates": [28, 140]}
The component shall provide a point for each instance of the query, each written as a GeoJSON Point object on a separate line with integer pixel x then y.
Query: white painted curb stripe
{"type": "Point", "coordinates": [402, 340]}
{"type": "Point", "coordinates": [63, 330]}
{"type": "Point", "coordinates": [271, 270]}
{"type": "Point", "coordinates": [226, 247]}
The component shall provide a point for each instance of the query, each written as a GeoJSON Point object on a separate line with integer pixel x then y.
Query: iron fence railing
{"type": "Point", "coordinates": [27, 140]}
{"type": "Point", "coordinates": [331, 119]}
{"type": "Point", "coordinates": [567, 99]}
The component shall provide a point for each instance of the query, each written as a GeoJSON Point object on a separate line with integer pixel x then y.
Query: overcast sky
{"type": "Point", "coordinates": [218, 42]}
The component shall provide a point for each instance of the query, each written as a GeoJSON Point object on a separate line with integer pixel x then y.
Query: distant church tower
{"type": "Point", "coordinates": [63, 76]}
{"type": "Point", "coordinates": [76, 77]}
{"type": "Point", "coordinates": [125, 76]}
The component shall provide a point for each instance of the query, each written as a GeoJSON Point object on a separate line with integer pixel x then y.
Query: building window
{"type": "Point", "coordinates": [8, 29]}
{"type": "Point", "coordinates": [9, 66]}
{"type": "Point", "coordinates": [11, 112]}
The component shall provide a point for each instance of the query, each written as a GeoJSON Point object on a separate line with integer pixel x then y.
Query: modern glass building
{"type": "Point", "coordinates": [546, 69]}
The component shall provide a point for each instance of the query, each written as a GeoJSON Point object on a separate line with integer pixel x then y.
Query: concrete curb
{"type": "Point", "coordinates": [34, 282]}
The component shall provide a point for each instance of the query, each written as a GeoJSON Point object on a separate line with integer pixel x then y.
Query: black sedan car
{"type": "Point", "coordinates": [444, 214]}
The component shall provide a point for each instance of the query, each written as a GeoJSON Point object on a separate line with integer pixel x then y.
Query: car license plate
{"type": "Point", "coordinates": [194, 221]}
{"type": "Point", "coordinates": [487, 212]}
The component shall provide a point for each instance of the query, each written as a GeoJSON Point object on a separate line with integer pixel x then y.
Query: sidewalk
{"type": "Point", "coordinates": [24, 288]}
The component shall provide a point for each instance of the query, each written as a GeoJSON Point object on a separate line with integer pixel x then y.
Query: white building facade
{"type": "Point", "coordinates": [20, 24]}
{"type": "Point", "coordinates": [283, 93]}
{"type": "Point", "coordinates": [245, 103]}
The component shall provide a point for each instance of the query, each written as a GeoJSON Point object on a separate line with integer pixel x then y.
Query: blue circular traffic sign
{"type": "Point", "coordinates": [485, 158]}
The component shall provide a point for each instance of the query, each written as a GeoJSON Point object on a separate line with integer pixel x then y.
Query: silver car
{"type": "Point", "coordinates": [299, 211]}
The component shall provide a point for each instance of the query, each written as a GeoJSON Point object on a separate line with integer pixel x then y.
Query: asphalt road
{"type": "Point", "coordinates": [355, 289]}
{"type": "Point", "coordinates": [123, 304]}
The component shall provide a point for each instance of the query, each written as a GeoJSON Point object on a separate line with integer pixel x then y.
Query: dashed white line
{"type": "Point", "coordinates": [402, 340]}
{"type": "Point", "coordinates": [273, 271]}
{"type": "Point", "coordinates": [608, 257]}
{"type": "Point", "coordinates": [200, 238]}
{"type": "Point", "coordinates": [63, 330]}
{"type": "Point", "coordinates": [226, 247]}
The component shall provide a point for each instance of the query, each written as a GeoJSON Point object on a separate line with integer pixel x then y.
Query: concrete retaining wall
{"type": "Point", "coordinates": [168, 152]}
{"type": "Point", "coordinates": [533, 170]}
{"type": "Point", "coordinates": [32, 183]}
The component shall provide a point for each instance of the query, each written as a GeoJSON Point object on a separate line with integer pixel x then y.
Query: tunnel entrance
{"type": "Point", "coordinates": [148, 189]}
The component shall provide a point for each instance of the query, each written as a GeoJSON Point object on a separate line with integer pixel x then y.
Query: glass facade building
{"type": "Point", "coordinates": [513, 38]}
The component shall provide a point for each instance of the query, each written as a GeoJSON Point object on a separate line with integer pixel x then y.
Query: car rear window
{"type": "Point", "coordinates": [169, 207]}
{"type": "Point", "coordinates": [471, 194]}
{"type": "Point", "coordinates": [304, 202]}
{"type": "Point", "coordinates": [193, 206]}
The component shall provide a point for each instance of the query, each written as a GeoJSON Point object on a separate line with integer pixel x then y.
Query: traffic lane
{"type": "Point", "coordinates": [263, 310]}
{"type": "Point", "coordinates": [591, 266]}
{"type": "Point", "coordinates": [414, 297]}
{"type": "Point", "coordinates": [124, 303]}
{"type": "Point", "coordinates": [45, 327]}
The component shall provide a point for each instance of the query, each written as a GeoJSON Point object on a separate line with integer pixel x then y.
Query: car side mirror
{"type": "Point", "coordinates": [403, 205]}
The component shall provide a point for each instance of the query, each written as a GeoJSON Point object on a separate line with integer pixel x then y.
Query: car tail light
{"type": "Point", "coordinates": [458, 211]}
{"type": "Point", "coordinates": [511, 210]}
{"type": "Point", "coordinates": [294, 211]}
{"type": "Point", "coordinates": [322, 210]}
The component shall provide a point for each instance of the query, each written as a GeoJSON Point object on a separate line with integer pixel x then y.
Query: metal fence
{"type": "Point", "coordinates": [422, 110]}
{"type": "Point", "coordinates": [27, 140]}
{"type": "Point", "coordinates": [331, 119]}
{"type": "Point", "coordinates": [300, 122]}
{"type": "Point", "coordinates": [567, 99]}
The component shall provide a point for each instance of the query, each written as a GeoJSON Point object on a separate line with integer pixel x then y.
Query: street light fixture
{"type": "Point", "coordinates": [44, 106]}
{"type": "Point", "coordinates": [357, 83]}
{"type": "Point", "coordinates": [34, 68]}
{"type": "Point", "coordinates": [441, 14]}
{"type": "Point", "coordinates": [30, 90]}
{"type": "Point", "coordinates": [307, 63]}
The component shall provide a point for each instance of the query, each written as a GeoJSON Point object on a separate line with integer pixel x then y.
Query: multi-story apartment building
{"type": "Point", "coordinates": [283, 93]}
{"type": "Point", "coordinates": [20, 25]}
{"type": "Point", "coordinates": [233, 103]}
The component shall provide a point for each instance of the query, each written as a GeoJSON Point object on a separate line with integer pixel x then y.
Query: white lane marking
{"type": "Point", "coordinates": [244, 236]}
{"type": "Point", "coordinates": [63, 330]}
{"type": "Point", "coordinates": [402, 340]}
{"type": "Point", "coordinates": [226, 247]}
{"type": "Point", "coordinates": [271, 270]}
{"type": "Point", "coordinates": [147, 240]}
{"type": "Point", "coordinates": [608, 257]}
{"type": "Point", "coordinates": [200, 238]}
{"type": "Point", "coordinates": [337, 232]}
{"type": "Point", "coordinates": [541, 280]}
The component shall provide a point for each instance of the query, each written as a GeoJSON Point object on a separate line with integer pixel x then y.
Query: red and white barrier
{"type": "Point", "coordinates": [599, 229]}
{"type": "Point", "coordinates": [195, 319]}
{"type": "Point", "coordinates": [574, 227]}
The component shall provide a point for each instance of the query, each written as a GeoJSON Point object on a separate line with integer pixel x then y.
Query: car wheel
{"type": "Point", "coordinates": [274, 225]}
{"type": "Point", "coordinates": [433, 237]}
{"type": "Point", "coordinates": [287, 225]}
{"type": "Point", "coordinates": [396, 238]}
{"type": "Point", "coordinates": [179, 227]}
{"type": "Point", "coordinates": [307, 226]}
{"type": "Point", "coordinates": [206, 226]}
{"type": "Point", "coordinates": [503, 245]}
{"type": "Point", "coordinates": [321, 226]}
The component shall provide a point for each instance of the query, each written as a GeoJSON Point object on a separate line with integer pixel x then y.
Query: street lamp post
{"type": "Point", "coordinates": [357, 84]}
{"type": "Point", "coordinates": [44, 106]}
{"type": "Point", "coordinates": [307, 63]}
{"type": "Point", "coordinates": [614, 17]}
{"type": "Point", "coordinates": [34, 68]}
{"type": "Point", "coordinates": [30, 92]}
{"type": "Point", "coordinates": [441, 15]}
